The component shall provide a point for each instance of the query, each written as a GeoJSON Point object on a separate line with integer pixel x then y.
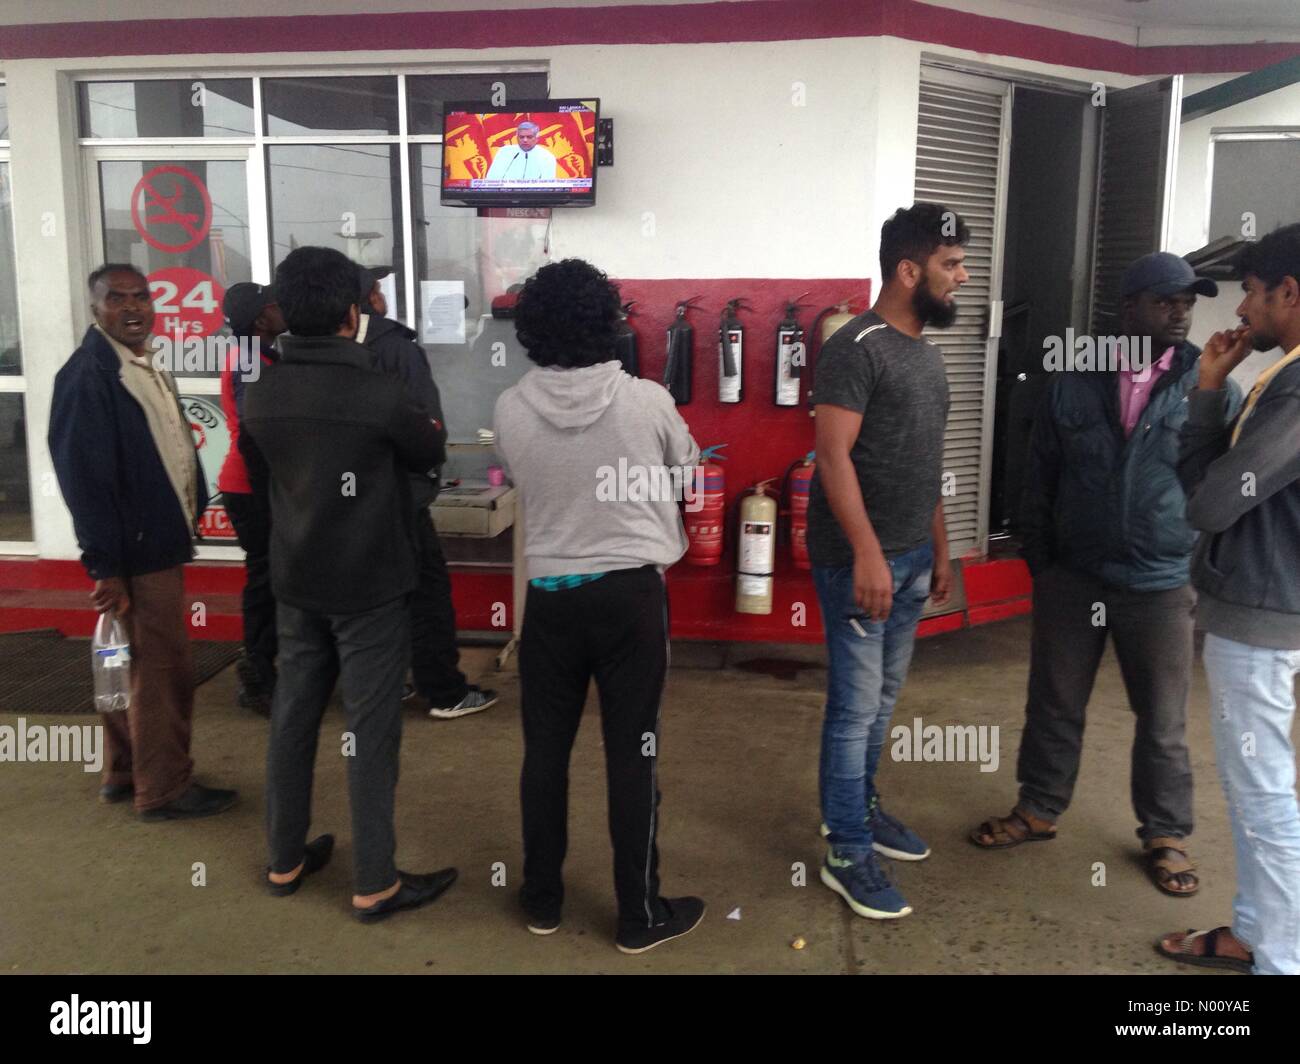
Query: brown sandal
{"type": "Point", "coordinates": [1211, 958]}
{"type": "Point", "coordinates": [1013, 830]}
{"type": "Point", "coordinates": [1168, 866]}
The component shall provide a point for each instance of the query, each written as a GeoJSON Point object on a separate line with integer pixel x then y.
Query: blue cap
{"type": "Point", "coordinates": [1163, 274]}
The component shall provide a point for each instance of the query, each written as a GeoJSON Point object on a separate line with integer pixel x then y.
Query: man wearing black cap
{"type": "Point", "coordinates": [255, 320]}
{"type": "Point", "coordinates": [1107, 540]}
{"type": "Point", "coordinates": [440, 687]}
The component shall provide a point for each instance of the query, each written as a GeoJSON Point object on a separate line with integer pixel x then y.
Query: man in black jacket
{"type": "Point", "coordinates": [1107, 540]}
{"type": "Point", "coordinates": [440, 686]}
{"type": "Point", "coordinates": [338, 439]}
{"type": "Point", "coordinates": [126, 463]}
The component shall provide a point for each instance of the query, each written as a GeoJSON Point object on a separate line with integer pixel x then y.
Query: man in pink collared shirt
{"type": "Point", "coordinates": [1106, 536]}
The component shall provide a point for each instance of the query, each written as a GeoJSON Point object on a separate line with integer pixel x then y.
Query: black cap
{"type": "Point", "coordinates": [243, 303]}
{"type": "Point", "coordinates": [1163, 274]}
{"type": "Point", "coordinates": [368, 276]}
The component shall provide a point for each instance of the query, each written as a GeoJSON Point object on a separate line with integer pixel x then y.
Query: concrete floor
{"type": "Point", "coordinates": [86, 888]}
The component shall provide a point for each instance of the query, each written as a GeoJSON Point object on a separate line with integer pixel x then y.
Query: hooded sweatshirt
{"type": "Point", "coordinates": [593, 452]}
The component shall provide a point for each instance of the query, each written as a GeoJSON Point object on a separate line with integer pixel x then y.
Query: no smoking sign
{"type": "Point", "coordinates": [171, 209]}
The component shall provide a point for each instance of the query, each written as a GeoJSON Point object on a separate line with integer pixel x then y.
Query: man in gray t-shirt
{"type": "Point", "coordinates": [899, 385]}
{"type": "Point", "coordinates": [876, 535]}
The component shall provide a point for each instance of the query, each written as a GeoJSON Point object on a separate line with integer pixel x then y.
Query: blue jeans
{"type": "Point", "coordinates": [868, 664]}
{"type": "Point", "coordinates": [1252, 705]}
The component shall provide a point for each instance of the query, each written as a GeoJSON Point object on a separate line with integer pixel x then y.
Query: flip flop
{"type": "Point", "coordinates": [1211, 957]}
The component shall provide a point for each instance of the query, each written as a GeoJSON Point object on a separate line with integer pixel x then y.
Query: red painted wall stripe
{"type": "Point", "coordinates": [703, 23]}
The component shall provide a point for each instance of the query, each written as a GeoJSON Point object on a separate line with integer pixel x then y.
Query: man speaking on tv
{"type": "Point", "coordinates": [524, 160]}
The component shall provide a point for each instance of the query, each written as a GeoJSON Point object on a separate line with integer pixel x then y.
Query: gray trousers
{"type": "Point", "coordinates": [368, 652]}
{"type": "Point", "coordinates": [1152, 633]}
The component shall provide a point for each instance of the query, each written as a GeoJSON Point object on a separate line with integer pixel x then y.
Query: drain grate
{"type": "Point", "coordinates": [43, 672]}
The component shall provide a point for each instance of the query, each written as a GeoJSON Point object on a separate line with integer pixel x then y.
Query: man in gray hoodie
{"type": "Point", "coordinates": [1243, 492]}
{"type": "Point", "coordinates": [595, 454]}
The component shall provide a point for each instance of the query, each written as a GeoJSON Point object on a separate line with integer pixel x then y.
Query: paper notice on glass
{"type": "Point", "coordinates": [442, 312]}
{"type": "Point", "coordinates": [388, 286]}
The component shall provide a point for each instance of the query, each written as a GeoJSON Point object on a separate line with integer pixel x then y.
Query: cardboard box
{"type": "Point", "coordinates": [474, 508]}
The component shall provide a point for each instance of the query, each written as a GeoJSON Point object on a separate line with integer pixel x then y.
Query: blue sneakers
{"type": "Point", "coordinates": [863, 885]}
{"type": "Point", "coordinates": [891, 837]}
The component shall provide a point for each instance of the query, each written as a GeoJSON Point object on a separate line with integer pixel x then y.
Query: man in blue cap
{"type": "Point", "coordinates": [1107, 540]}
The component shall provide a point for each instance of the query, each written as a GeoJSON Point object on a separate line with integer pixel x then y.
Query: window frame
{"type": "Point", "coordinates": [1237, 133]}
{"type": "Point", "coordinates": [16, 384]}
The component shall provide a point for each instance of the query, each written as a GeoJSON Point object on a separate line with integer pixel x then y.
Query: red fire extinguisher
{"type": "Point", "coordinates": [706, 512]}
{"type": "Point", "coordinates": [798, 482]}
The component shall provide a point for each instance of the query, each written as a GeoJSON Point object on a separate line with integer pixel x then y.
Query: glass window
{"type": "Point", "coordinates": [481, 258]}
{"type": "Point", "coordinates": [1255, 176]}
{"type": "Point", "coordinates": [185, 226]}
{"type": "Point", "coordinates": [303, 107]}
{"type": "Point", "coordinates": [15, 486]}
{"type": "Point", "coordinates": [346, 196]}
{"type": "Point", "coordinates": [425, 94]}
{"type": "Point", "coordinates": [192, 107]}
{"type": "Point", "coordinates": [11, 354]}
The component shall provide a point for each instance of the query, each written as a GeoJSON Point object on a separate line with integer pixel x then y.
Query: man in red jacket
{"type": "Point", "coordinates": [254, 317]}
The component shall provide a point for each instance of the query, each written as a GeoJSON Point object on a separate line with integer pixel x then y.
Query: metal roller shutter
{"type": "Point", "coordinates": [962, 137]}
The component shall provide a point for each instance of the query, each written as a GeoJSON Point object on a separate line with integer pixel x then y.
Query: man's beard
{"type": "Point", "coordinates": [930, 309]}
{"type": "Point", "coordinates": [1262, 341]}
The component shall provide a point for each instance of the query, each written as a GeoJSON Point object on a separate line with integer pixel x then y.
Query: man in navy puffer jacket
{"type": "Point", "coordinates": [1108, 543]}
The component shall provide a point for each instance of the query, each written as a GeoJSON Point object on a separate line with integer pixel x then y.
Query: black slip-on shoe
{"type": "Point", "coordinates": [684, 916]}
{"type": "Point", "coordinates": [415, 890]}
{"type": "Point", "coordinates": [315, 856]}
{"type": "Point", "coordinates": [196, 802]}
{"type": "Point", "coordinates": [112, 793]}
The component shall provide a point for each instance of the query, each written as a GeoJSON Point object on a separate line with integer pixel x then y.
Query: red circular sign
{"type": "Point", "coordinates": [186, 302]}
{"type": "Point", "coordinates": [164, 218]}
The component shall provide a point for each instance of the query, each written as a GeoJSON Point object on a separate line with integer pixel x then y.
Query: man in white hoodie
{"type": "Point", "coordinates": [596, 548]}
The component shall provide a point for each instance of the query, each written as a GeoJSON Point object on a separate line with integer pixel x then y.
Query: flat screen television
{"type": "Point", "coordinates": [540, 153]}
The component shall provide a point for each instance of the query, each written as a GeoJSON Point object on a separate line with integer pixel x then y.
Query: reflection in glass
{"type": "Point", "coordinates": [185, 226]}
{"type": "Point", "coordinates": [488, 256]}
{"type": "Point", "coordinates": [11, 354]}
{"type": "Point", "coordinates": [191, 107]}
{"type": "Point", "coordinates": [300, 107]}
{"type": "Point", "coordinates": [347, 197]}
{"type": "Point", "coordinates": [15, 485]}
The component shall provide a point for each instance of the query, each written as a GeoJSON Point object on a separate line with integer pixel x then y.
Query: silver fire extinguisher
{"type": "Point", "coordinates": [791, 355]}
{"type": "Point", "coordinates": [731, 353]}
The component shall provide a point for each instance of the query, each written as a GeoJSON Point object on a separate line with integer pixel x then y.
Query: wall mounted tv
{"type": "Point", "coordinates": [540, 153]}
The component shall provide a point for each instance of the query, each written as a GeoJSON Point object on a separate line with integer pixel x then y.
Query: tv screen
{"type": "Point", "coordinates": [540, 153]}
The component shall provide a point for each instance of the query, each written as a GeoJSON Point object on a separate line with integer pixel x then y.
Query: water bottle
{"type": "Point", "coordinates": [110, 661]}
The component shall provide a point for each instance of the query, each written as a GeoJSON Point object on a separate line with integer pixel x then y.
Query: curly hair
{"type": "Point", "coordinates": [567, 315]}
